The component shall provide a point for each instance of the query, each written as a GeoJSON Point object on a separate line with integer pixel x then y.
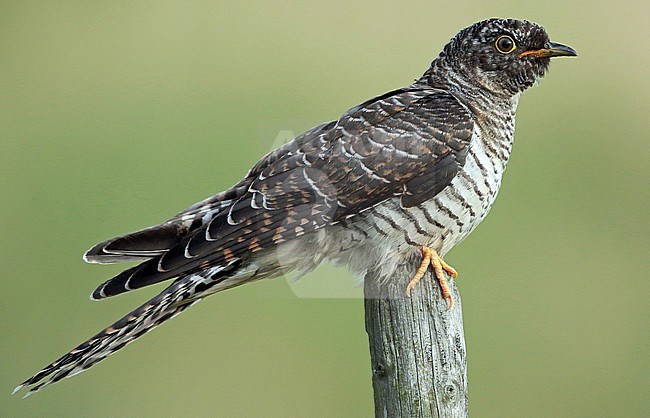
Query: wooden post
{"type": "Point", "coordinates": [417, 349]}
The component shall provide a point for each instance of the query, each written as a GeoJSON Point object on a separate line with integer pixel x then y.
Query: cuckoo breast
{"type": "Point", "coordinates": [385, 233]}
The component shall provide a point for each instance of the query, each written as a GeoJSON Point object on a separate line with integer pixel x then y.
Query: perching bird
{"type": "Point", "coordinates": [411, 171]}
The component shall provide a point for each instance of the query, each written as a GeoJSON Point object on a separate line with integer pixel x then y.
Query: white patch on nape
{"type": "Point", "coordinates": [514, 100]}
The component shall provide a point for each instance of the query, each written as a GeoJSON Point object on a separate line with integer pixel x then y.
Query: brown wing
{"type": "Point", "coordinates": [158, 239]}
{"type": "Point", "coordinates": [408, 143]}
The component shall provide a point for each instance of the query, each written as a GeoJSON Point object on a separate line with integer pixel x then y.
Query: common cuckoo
{"type": "Point", "coordinates": [412, 171]}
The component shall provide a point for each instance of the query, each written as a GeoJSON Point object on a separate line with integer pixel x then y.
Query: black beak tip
{"type": "Point", "coordinates": [560, 50]}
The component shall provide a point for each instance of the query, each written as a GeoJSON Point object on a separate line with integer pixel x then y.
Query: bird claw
{"type": "Point", "coordinates": [431, 257]}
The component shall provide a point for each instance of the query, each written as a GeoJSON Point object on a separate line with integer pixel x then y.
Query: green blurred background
{"type": "Point", "coordinates": [116, 115]}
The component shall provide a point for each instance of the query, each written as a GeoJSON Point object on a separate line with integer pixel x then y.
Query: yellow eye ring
{"type": "Point", "coordinates": [505, 44]}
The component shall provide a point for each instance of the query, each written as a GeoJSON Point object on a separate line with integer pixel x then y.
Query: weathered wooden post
{"type": "Point", "coordinates": [417, 349]}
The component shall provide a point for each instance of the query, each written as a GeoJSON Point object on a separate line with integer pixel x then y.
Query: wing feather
{"type": "Point", "coordinates": [409, 143]}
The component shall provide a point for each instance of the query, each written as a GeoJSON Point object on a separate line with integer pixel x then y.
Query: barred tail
{"type": "Point", "coordinates": [172, 301]}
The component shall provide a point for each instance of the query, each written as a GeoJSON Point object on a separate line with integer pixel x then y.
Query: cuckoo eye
{"type": "Point", "coordinates": [505, 44]}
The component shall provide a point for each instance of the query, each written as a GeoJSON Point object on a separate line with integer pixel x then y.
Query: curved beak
{"type": "Point", "coordinates": [553, 50]}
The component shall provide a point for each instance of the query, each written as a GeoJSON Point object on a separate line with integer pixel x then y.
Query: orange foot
{"type": "Point", "coordinates": [430, 257]}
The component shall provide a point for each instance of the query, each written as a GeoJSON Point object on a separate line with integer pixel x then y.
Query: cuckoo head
{"type": "Point", "coordinates": [505, 56]}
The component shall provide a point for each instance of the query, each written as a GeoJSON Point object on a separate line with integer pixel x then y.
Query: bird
{"type": "Point", "coordinates": [406, 175]}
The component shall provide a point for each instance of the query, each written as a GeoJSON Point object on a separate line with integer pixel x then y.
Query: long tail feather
{"type": "Point", "coordinates": [172, 301]}
{"type": "Point", "coordinates": [146, 274]}
{"type": "Point", "coordinates": [136, 246]}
